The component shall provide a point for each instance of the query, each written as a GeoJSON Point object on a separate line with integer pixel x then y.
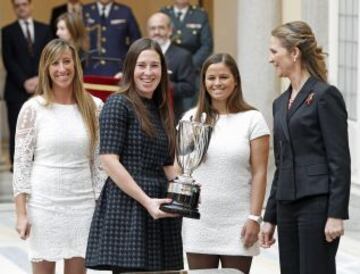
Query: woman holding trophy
{"type": "Point", "coordinates": [129, 232]}
{"type": "Point", "coordinates": [233, 174]}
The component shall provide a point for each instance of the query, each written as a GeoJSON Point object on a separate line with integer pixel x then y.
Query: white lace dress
{"type": "Point", "coordinates": [225, 178]}
{"type": "Point", "coordinates": [53, 165]}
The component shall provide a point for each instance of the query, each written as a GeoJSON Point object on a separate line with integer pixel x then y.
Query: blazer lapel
{"type": "Point", "coordinates": [283, 105]}
{"type": "Point", "coordinates": [20, 33]}
{"type": "Point", "coordinates": [303, 94]}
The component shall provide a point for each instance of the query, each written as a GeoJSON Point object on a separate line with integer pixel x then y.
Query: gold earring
{"type": "Point", "coordinates": [294, 59]}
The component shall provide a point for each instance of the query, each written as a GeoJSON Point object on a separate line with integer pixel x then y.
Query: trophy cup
{"type": "Point", "coordinates": [192, 141]}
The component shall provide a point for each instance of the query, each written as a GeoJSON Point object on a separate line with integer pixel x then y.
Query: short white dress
{"type": "Point", "coordinates": [53, 165]}
{"type": "Point", "coordinates": [225, 178]}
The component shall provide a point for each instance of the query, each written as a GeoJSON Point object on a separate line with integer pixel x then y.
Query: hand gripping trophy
{"type": "Point", "coordinates": [192, 141]}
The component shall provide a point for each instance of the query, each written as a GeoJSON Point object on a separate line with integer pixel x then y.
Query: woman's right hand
{"type": "Point", "coordinates": [153, 207]}
{"type": "Point", "coordinates": [23, 226]}
{"type": "Point", "coordinates": [267, 235]}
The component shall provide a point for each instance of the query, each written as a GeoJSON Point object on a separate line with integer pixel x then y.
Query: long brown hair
{"type": "Point", "coordinates": [299, 34]}
{"type": "Point", "coordinates": [160, 96]}
{"type": "Point", "coordinates": [234, 104]}
{"type": "Point", "coordinates": [85, 102]}
{"type": "Point", "coordinates": [77, 30]}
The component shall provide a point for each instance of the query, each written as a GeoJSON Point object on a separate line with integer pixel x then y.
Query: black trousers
{"type": "Point", "coordinates": [302, 245]}
{"type": "Point", "coordinates": [13, 109]}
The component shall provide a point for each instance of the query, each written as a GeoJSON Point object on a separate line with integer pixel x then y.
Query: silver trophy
{"type": "Point", "coordinates": [192, 141]}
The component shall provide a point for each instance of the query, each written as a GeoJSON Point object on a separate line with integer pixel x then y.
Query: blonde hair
{"type": "Point", "coordinates": [77, 30]}
{"type": "Point", "coordinates": [83, 99]}
{"type": "Point", "coordinates": [299, 34]}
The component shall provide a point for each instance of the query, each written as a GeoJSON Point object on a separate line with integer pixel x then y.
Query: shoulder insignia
{"type": "Point", "coordinates": [116, 7]}
{"type": "Point", "coordinates": [93, 7]}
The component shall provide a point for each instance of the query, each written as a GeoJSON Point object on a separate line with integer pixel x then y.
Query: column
{"type": "Point", "coordinates": [260, 85]}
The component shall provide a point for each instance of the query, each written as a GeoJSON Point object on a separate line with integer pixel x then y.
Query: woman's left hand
{"type": "Point", "coordinates": [250, 233]}
{"type": "Point", "coordinates": [153, 207]}
{"type": "Point", "coordinates": [334, 228]}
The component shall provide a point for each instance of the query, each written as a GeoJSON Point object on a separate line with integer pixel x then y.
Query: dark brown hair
{"type": "Point", "coordinates": [235, 103]}
{"type": "Point", "coordinates": [160, 95]}
{"type": "Point", "coordinates": [299, 34]}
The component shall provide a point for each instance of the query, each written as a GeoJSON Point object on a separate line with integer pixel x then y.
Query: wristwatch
{"type": "Point", "coordinates": [255, 218]}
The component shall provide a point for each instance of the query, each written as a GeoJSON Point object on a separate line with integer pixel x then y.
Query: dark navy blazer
{"type": "Point", "coordinates": [193, 33]}
{"type": "Point", "coordinates": [109, 40]}
{"type": "Point", "coordinates": [311, 148]}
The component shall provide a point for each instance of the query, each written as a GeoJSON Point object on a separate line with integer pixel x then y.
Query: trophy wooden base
{"type": "Point", "coordinates": [181, 210]}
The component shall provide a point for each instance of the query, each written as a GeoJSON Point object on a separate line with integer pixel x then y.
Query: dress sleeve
{"type": "Point", "coordinates": [97, 173]}
{"type": "Point", "coordinates": [114, 120]}
{"type": "Point", "coordinates": [258, 126]}
{"type": "Point", "coordinates": [25, 141]}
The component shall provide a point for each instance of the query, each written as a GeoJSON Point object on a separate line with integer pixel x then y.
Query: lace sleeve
{"type": "Point", "coordinates": [24, 149]}
{"type": "Point", "coordinates": [98, 174]}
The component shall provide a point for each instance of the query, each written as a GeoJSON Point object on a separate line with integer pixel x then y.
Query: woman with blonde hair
{"type": "Point", "coordinates": [71, 28]}
{"type": "Point", "coordinates": [310, 192]}
{"type": "Point", "coordinates": [57, 175]}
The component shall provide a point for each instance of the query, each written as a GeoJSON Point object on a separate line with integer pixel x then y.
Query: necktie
{"type": "Point", "coordinates": [103, 15]}
{"type": "Point", "coordinates": [28, 39]}
{"type": "Point", "coordinates": [178, 15]}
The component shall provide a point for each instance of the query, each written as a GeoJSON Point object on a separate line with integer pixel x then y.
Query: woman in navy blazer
{"type": "Point", "coordinates": [309, 196]}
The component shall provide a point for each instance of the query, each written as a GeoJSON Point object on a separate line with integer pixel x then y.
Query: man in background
{"type": "Point", "coordinates": [22, 43]}
{"type": "Point", "coordinates": [191, 30]}
{"type": "Point", "coordinates": [179, 62]}
{"type": "Point", "coordinates": [112, 28]}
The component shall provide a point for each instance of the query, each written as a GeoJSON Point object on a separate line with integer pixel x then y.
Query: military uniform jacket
{"type": "Point", "coordinates": [193, 33]}
{"type": "Point", "coordinates": [109, 39]}
{"type": "Point", "coordinates": [311, 149]}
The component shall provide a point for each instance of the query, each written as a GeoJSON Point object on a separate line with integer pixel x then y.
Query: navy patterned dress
{"type": "Point", "coordinates": [123, 235]}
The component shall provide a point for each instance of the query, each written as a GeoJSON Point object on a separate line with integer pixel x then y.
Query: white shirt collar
{"type": "Point", "coordinates": [165, 46]}
{"type": "Point", "coordinates": [183, 12]}
{"type": "Point", "coordinates": [107, 8]}
{"type": "Point", "coordinates": [30, 20]}
{"type": "Point", "coordinates": [31, 27]}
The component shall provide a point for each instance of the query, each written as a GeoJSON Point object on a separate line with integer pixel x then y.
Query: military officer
{"type": "Point", "coordinates": [191, 30]}
{"type": "Point", "coordinates": [112, 28]}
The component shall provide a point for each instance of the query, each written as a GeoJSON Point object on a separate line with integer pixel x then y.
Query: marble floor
{"type": "Point", "coordinates": [13, 251]}
{"type": "Point", "coordinates": [13, 255]}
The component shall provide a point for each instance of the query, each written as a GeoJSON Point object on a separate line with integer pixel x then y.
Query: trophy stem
{"type": "Point", "coordinates": [186, 177]}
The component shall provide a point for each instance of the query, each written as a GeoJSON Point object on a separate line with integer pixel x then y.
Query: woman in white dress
{"type": "Point", "coordinates": [233, 175]}
{"type": "Point", "coordinates": [57, 176]}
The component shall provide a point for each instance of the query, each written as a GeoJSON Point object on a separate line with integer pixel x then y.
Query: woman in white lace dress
{"type": "Point", "coordinates": [233, 175]}
{"type": "Point", "coordinates": [57, 176]}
